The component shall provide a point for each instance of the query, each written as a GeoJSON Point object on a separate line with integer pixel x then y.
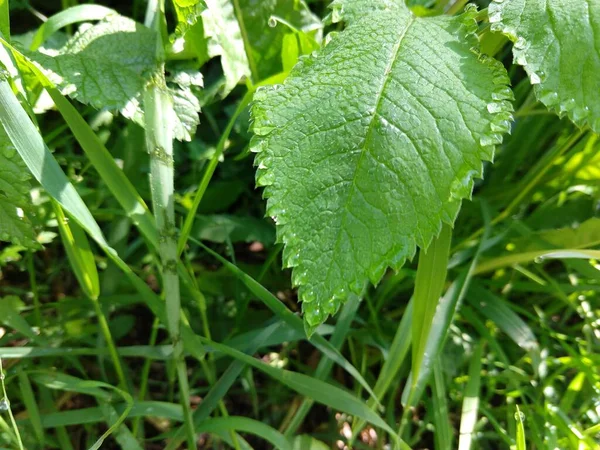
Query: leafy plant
{"type": "Point", "coordinates": [370, 128]}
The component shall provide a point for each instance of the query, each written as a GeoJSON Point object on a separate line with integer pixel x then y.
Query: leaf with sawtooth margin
{"type": "Point", "coordinates": [558, 44]}
{"type": "Point", "coordinates": [369, 146]}
{"type": "Point", "coordinates": [187, 13]}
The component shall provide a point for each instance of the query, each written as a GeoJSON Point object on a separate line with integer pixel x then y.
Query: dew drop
{"type": "Point", "coordinates": [272, 22]}
{"type": "Point", "coordinates": [519, 416]}
{"type": "Point", "coordinates": [10, 152]}
{"type": "Point", "coordinates": [4, 405]}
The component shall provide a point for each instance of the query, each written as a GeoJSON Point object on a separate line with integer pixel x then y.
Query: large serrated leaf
{"type": "Point", "coordinates": [371, 145]}
{"type": "Point", "coordinates": [15, 226]}
{"type": "Point", "coordinates": [558, 43]}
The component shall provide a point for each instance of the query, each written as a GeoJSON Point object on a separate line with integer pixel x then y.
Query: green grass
{"type": "Point", "coordinates": [119, 333]}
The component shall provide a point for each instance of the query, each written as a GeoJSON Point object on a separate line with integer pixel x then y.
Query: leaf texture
{"type": "Point", "coordinates": [558, 44]}
{"type": "Point", "coordinates": [370, 145]}
{"type": "Point", "coordinates": [106, 65]}
{"type": "Point", "coordinates": [15, 226]}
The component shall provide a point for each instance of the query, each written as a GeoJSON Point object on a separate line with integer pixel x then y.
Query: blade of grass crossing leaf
{"type": "Point", "coordinates": [443, 432]}
{"type": "Point", "coordinates": [79, 254]}
{"type": "Point", "coordinates": [31, 405]}
{"type": "Point", "coordinates": [275, 305]}
{"type": "Point", "coordinates": [429, 284]}
{"type": "Point", "coordinates": [246, 425]}
{"type": "Point", "coordinates": [520, 417]}
{"type": "Point", "coordinates": [324, 368]}
{"type": "Point", "coordinates": [470, 407]}
{"type": "Point", "coordinates": [34, 152]}
{"type": "Point", "coordinates": [31, 147]}
{"type": "Point", "coordinates": [75, 14]}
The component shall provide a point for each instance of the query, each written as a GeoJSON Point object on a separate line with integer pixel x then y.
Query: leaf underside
{"type": "Point", "coordinates": [558, 43]}
{"type": "Point", "coordinates": [370, 145]}
{"type": "Point", "coordinates": [15, 226]}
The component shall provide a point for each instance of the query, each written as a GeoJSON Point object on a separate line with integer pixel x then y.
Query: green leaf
{"type": "Point", "coordinates": [224, 228]}
{"type": "Point", "coordinates": [15, 226]}
{"type": "Point", "coordinates": [223, 29]}
{"type": "Point", "coordinates": [106, 65]}
{"type": "Point", "coordinates": [558, 44]}
{"type": "Point", "coordinates": [267, 22]}
{"type": "Point", "coordinates": [371, 145]}
{"type": "Point", "coordinates": [187, 12]}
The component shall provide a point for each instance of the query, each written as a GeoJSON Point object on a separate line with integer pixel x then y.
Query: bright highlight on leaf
{"type": "Point", "coordinates": [558, 44]}
{"type": "Point", "coordinates": [371, 145]}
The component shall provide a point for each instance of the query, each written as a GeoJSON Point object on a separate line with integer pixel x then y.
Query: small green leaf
{"type": "Point", "coordinates": [15, 226]}
{"type": "Point", "coordinates": [558, 44]}
{"type": "Point", "coordinates": [370, 146]}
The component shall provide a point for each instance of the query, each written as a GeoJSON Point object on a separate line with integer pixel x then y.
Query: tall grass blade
{"type": "Point", "coordinates": [75, 14]}
{"type": "Point", "coordinates": [520, 418]}
{"type": "Point", "coordinates": [470, 408]}
{"type": "Point", "coordinates": [429, 284]}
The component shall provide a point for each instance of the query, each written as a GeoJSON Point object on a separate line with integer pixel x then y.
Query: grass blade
{"type": "Point", "coordinates": [79, 13]}
{"type": "Point", "coordinates": [520, 417]}
{"type": "Point", "coordinates": [537, 256]}
{"type": "Point", "coordinates": [292, 320]}
{"type": "Point", "coordinates": [443, 432]}
{"type": "Point", "coordinates": [470, 408]}
{"type": "Point", "coordinates": [429, 284]}
{"type": "Point", "coordinates": [31, 405]}
{"type": "Point", "coordinates": [4, 18]}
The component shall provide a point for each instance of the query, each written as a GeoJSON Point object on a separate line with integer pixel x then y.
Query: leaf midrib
{"type": "Point", "coordinates": [386, 78]}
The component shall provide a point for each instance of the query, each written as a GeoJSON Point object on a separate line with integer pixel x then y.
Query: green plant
{"type": "Point", "coordinates": [367, 142]}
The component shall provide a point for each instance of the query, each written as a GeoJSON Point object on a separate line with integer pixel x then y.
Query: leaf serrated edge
{"type": "Point", "coordinates": [580, 116]}
{"type": "Point", "coordinates": [499, 106]}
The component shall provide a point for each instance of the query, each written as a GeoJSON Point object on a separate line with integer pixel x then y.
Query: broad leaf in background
{"type": "Point", "coordinates": [106, 65]}
{"type": "Point", "coordinates": [15, 226]}
{"type": "Point", "coordinates": [228, 228]}
{"type": "Point", "coordinates": [225, 39]}
{"type": "Point", "coordinates": [187, 12]}
{"type": "Point", "coordinates": [585, 235]}
{"type": "Point", "coordinates": [267, 22]}
{"type": "Point", "coordinates": [558, 44]}
{"type": "Point", "coordinates": [371, 145]}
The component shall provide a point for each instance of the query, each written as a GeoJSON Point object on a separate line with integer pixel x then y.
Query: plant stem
{"type": "Point", "coordinates": [34, 290]}
{"type": "Point", "coordinates": [10, 414]}
{"type": "Point", "coordinates": [112, 349]}
{"type": "Point", "coordinates": [158, 110]}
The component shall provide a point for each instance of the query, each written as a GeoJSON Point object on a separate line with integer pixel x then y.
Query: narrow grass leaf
{"type": "Point", "coordinates": [4, 19]}
{"type": "Point", "coordinates": [246, 425]}
{"type": "Point", "coordinates": [520, 417]}
{"type": "Point", "coordinates": [429, 284]}
{"type": "Point", "coordinates": [79, 254]}
{"type": "Point", "coordinates": [75, 14]}
{"type": "Point", "coordinates": [470, 408]}
{"type": "Point", "coordinates": [275, 305]}
{"type": "Point", "coordinates": [443, 432]}
{"type": "Point", "coordinates": [537, 256]}
{"type": "Point", "coordinates": [31, 406]}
